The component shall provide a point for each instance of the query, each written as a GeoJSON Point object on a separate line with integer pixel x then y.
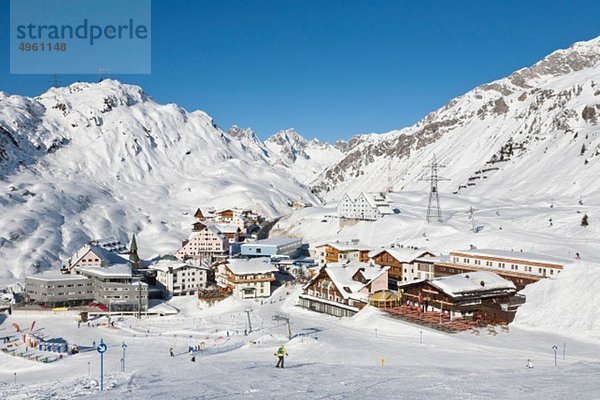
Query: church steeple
{"type": "Point", "coordinates": [134, 259]}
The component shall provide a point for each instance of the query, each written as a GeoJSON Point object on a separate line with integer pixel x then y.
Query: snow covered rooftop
{"type": "Point", "coordinates": [241, 266]}
{"type": "Point", "coordinates": [117, 271]}
{"type": "Point", "coordinates": [402, 254]}
{"type": "Point", "coordinates": [480, 281]}
{"type": "Point", "coordinates": [341, 275]}
{"type": "Point", "coordinates": [215, 229]}
{"type": "Point", "coordinates": [353, 245]}
{"type": "Point", "coordinates": [516, 255]}
{"type": "Point", "coordinates": [56, 276]}
{"type": "Point", "coordinates": [105, 256]}
{"type": "Point", "coordinates": [226, 228]}
{"type": "Point", "coordinates": [165, 265]}
{"type": "Point", "coordinates": [277, 241]}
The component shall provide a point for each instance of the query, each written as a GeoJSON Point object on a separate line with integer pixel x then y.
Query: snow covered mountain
{"type": "Point", "coordinates": [535, 133]}
{"type": "Point", "coordinates": [305, 159]}
{"type": "Point", "coordinates": [105, 160]}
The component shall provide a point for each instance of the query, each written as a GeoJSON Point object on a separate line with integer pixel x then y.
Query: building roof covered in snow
{"type": "Point", "coordinates": [352, 245]}
{"type": "Point", "coordinates": [56, 276]}
{"type": "Point", "coordinates": [277, 241]}
{"type": "Point", "coordinates": [116, 271]}
{"type": "Point", "coordinates": [213, 228]}
{"type": "Point", "coordinates": [227, 228]}
{"type": "Point", "coordinates": [468, 284]}
{"type": "Point", "coordinates": [165, 265]}
{"type": "Point", "coordinates": [378, 200]}
{"type": "Point", "coordinates": [106, 257]}
{"type": "Point", "coordinates": [514, 255]}
{"type": "Point", "coordinates": [343, 277]}
{"type": "Point", "coordinates": [240, 266]}
{"type": "Point", "coordinates": [402, 254]}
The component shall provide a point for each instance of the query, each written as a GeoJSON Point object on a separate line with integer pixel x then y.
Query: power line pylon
{"type": "Point", "coordinates": [55, 81]}
{"type": "Point", "coordinates": [471, 212]}
{"type": "Point", "coordinates": [434, 210]}
{"type": "Point", "coordinates": [103, 73]}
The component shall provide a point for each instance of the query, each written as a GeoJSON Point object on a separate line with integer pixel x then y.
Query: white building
{"type": "Point", "coordinates": [93, 254]}
{"type": "Point", "coordinates": [247, 279]}
{"type": "Point", "coordinates": [176, 278]}
{"type": "Point", "coordinates": [206, 243]}
{"type": "Point", "coordinates": [365, 206]}
{"type": "Point", "coordinates": [271, 247]}
{"type": "Point", "coordinates": [515, 263]}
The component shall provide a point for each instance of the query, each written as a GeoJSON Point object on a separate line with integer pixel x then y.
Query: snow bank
{"type": "Point", "coordinates": [567, 305]}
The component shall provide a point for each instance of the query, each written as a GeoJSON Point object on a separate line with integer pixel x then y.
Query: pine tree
{"type": "Point", "coordinates": [584, 220]}
{"type": "Point", "coordinates": [582, 150]}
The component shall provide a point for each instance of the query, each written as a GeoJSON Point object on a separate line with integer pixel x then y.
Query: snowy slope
{"type": "Point", "coordinates": [305, 159]}
{"type": "Point", "coordinates": [342, 360]}
{"type": "Point", "coordinates": [105, 160]}
{"type": "Point", "coordinates": [532, 134]}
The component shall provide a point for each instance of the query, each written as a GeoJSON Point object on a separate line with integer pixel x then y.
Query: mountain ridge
{"type": "Point", "coordinates": [497, 124]}
{"type": "Point", "coordinates": [96, 160]}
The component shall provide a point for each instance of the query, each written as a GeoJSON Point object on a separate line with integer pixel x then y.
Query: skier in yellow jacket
{"type": "Point", "coordinates": [281, 353]}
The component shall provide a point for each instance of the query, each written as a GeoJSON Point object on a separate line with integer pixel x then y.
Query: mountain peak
{"type": "Point", "coordinates": [243, 133]}
{"type": "Point", "coordinates": [288, 136]}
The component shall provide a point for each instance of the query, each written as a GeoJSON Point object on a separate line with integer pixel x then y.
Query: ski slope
{"type": "Point", "coordinates": [342, 360]}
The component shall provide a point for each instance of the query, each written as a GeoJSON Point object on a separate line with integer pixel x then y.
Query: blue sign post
{"type": "Point", "coordinates": [101, 349]}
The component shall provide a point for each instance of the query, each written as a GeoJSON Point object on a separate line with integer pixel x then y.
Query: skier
{"type": "Point", "coordinates": [171, 352]}
{"type": "Point", "coordinates": [281, 353]}
{"type": "Point", "coordinates": [529, 364]}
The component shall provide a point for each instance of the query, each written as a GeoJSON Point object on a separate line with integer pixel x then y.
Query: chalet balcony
{"type": "Point", "coordinates": [234, 279]}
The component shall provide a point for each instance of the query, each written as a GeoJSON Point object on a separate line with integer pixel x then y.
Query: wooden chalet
{"type": "Point", "coordinates": [403, 263]}
{"type": "Point", "coordinates": [342, 289]}
{"type": "Point", "coordinates": [333, 252]}
{"type": "Point", "coordinates": [480, 295]}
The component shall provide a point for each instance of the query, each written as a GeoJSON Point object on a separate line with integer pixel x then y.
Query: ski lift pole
{"type": "Point", "coordinates": [555, 348]}
{"type": "Point", "coordinates": [248, 311]}
{"type": "Point", "coordinates": [124, 347]}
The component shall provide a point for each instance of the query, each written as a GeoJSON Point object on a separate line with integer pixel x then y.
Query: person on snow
{"type": "Point", "coordinates": [171, 352]}
{"type": "Point", "coordinates": [529, 363]}
{"type": "Point", "coordinates": [281, 353]}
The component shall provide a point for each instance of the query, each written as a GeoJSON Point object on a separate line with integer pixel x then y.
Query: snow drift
{"type": "Point", "coordinates": [567, 305]}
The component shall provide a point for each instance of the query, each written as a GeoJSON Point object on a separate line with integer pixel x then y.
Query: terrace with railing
{"type": "Point", "coordinates": [442, 321]}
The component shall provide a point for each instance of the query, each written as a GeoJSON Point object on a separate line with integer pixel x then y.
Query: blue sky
{"type": "Point", "coordinates": [334, 68]}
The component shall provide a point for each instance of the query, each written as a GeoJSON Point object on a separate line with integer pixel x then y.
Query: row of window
{"type": "Point", "coordinates": [513, 267]}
